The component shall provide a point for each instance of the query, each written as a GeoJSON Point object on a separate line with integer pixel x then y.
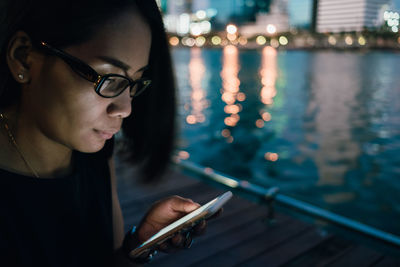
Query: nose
{"type": "Point", "coordinates": [121, 106]}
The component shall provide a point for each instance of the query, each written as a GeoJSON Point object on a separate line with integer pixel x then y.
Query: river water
{"type": "Point", "coordinates": [323, 126]}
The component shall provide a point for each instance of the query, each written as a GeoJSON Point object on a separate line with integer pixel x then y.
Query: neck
{"type": "Point", "coordinates": [45, 156]}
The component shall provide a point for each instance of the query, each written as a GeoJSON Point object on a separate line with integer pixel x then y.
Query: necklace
{"type": "Point", "coordinates": [3, 119]}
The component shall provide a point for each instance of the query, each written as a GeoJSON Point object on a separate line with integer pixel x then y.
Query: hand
{"type": "Point", "coordinates": [164, 212]}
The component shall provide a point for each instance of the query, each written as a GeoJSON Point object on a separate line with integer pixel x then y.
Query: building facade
{"type": "Point", "coordinates": [275, 21]}
{"type": "Point", "coordinates": [350, 15]}
{"type": "Point", "coordinates": [247, 10]}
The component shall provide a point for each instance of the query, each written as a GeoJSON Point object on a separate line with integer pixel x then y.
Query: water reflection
{"type": "Point", "coordinates": [322, 118]}
{"type": "Point", "coordinates": [334, 93]}
{"type": "Point", "coordinates": [268, 74]}
{"type": "Point", "coordinates": [198, 95]}
{"type": "Point", "coordinates": [230, 88]}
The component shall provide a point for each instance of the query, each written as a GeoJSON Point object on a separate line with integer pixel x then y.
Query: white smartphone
{"type": "Point", "coordinates": [183, 224]}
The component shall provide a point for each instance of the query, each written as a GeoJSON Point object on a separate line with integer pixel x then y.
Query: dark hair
{"type": "Point", "coordinates": [149, 131]}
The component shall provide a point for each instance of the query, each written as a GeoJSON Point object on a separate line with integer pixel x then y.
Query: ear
{"type": "Point", "coordinates": [18, 56]}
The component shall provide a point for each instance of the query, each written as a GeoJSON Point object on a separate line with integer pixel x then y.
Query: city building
{"type": "Point", "coordinates": [177, 7]}
{"type": "Point", "coordinates": [276, 21]}
{"type": "Point", "coordinates": [245, 11]}
{"type": "Point", "coordinates": [200, 5]}
{"type": "Point", "coordinates": [350, 15]}
{"type": "Point", "coordinates": [188, 17]}
{"type": "Point", "coordinates": [177, 17]}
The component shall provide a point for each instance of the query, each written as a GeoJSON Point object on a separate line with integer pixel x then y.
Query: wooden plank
{"type": "Point", "coordinates": [250, 247]}
{"type": "Point", "coordinates": [288, 250]}
{"type": "Point", "coordinates": [358, 256]}
{"type": "Point", "coordinates": [387, 262]}
{"type": "Point", "coordinates": [216, 228]}
{"type": "Point", "coordinates": [322, 254]}
{"type": "Point", "coordinates": [201, 193]}
{"type": "Point", "coordinates": [222, 234]}
{"type": "Point", "coordinates": [241, 235]}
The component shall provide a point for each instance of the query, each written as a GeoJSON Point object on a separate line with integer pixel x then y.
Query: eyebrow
{"type": "Point", "coordinates": [119, 64]}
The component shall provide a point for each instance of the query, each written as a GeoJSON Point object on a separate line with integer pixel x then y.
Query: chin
{"type": "Point", "coordinates": [91, 147]}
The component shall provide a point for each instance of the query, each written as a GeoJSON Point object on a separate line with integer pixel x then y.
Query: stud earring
{"type": "Point", "coordinates": [21, 76]}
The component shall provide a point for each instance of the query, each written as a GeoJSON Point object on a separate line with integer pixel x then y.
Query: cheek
{"type": "Point", "coordinates": [75, 120]}
{"type": "Point", "coordinates": [67, 111]}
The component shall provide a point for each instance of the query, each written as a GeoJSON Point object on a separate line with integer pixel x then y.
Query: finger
{"type": "Point", "coordinates": [200, 228]}
{"type": "Point", "coordinates": [184, 205]}
{"type": "Point", "coordinates": [177, 240]}
{"type": "Point", "coordinates": [166, 247]}
{"type": "Point", "coordinates": [170, 246]}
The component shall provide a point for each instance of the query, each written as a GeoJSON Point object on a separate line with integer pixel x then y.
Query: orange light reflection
{"type": "Point", "coordinates": [268, 74]}
{"type": "Point", "coordinates": [226, 133]}
{"type": "Point", "coordinates": [266, 116]}
{"type": "Point", "coordinates": [230, 86]}
{"type": "Point", "coordinates": [174, 41]}
{"type": "Point", "coordinates": [198, 100]}
{"type": "Point", "coordinates": [183, 155]}
{"type": "Point", "coordinates": [260, 123]}
{"type": "Point", "coordinates": [271, 156]}
{"type": "Point", "coordinates": [241, 97]}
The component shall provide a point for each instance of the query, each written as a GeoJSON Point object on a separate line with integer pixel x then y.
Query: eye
{"type": "Point", "coordinates": [113, 86]}
{"type": "Point", "coordinates": [109, 81]}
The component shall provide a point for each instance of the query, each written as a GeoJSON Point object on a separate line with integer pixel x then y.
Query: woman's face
{"type": "Point", "coordinates": [65, 108]}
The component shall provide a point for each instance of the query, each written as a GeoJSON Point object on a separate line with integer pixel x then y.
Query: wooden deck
{"type": "Point", "coordinates": [243, 235]}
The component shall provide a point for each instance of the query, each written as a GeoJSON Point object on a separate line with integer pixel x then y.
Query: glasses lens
{"type": "Point", "coordinates": [113, 86]}
{"type": "Point", "coordinates": [139, 87]}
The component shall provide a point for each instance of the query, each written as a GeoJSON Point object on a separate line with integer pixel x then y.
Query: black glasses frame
{"type": "Point", "coordinates": [89, 74]}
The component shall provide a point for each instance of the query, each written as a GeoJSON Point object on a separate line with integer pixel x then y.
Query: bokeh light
{"type": "Point", "coordinates": [231, 29]}
{"type": "Point", "coordinates": [274, 43]}
{"type": "Point", "coordinates": [183, 155]}
{"type": "Point", "coordinates": [348, 40]}
{"type": "Point", "coordinates": [216, 40]}
{"type": "Point", "coordinates": [283, 40]}
{"type": "Point", "coordinates": [271, 156]}
{"type": "Point", "coordinates": [261, 40]}
{"type": "Point", "coordinates": [362, 41]}
{"type": "Point", "coordinates": [332, 40]}
{"type": "Point", "coordinates": [174, 41]}
{"type": "Point", "coordinates": [200, 41]}
{"type": "Point", "coordinates": [271, 29]}
{"type": "Point", "coordinates": [260, 123]}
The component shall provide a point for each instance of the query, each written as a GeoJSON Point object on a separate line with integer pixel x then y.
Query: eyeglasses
{"type": "Point", "coordinates": [108, 85]}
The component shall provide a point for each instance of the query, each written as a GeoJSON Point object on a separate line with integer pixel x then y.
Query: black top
{"type": "Point", "coordinates": [58, 222]}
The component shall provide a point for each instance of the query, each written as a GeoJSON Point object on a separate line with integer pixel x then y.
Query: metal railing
{"type": "Point", "coordinates": [272, 194]}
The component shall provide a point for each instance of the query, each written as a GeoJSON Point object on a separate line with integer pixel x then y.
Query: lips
{"type": "Point", "coordinates": [105, 134]}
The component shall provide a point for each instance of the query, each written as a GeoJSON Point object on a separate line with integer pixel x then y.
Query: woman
{"type": "Point", "coordinates": [73, 74]}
